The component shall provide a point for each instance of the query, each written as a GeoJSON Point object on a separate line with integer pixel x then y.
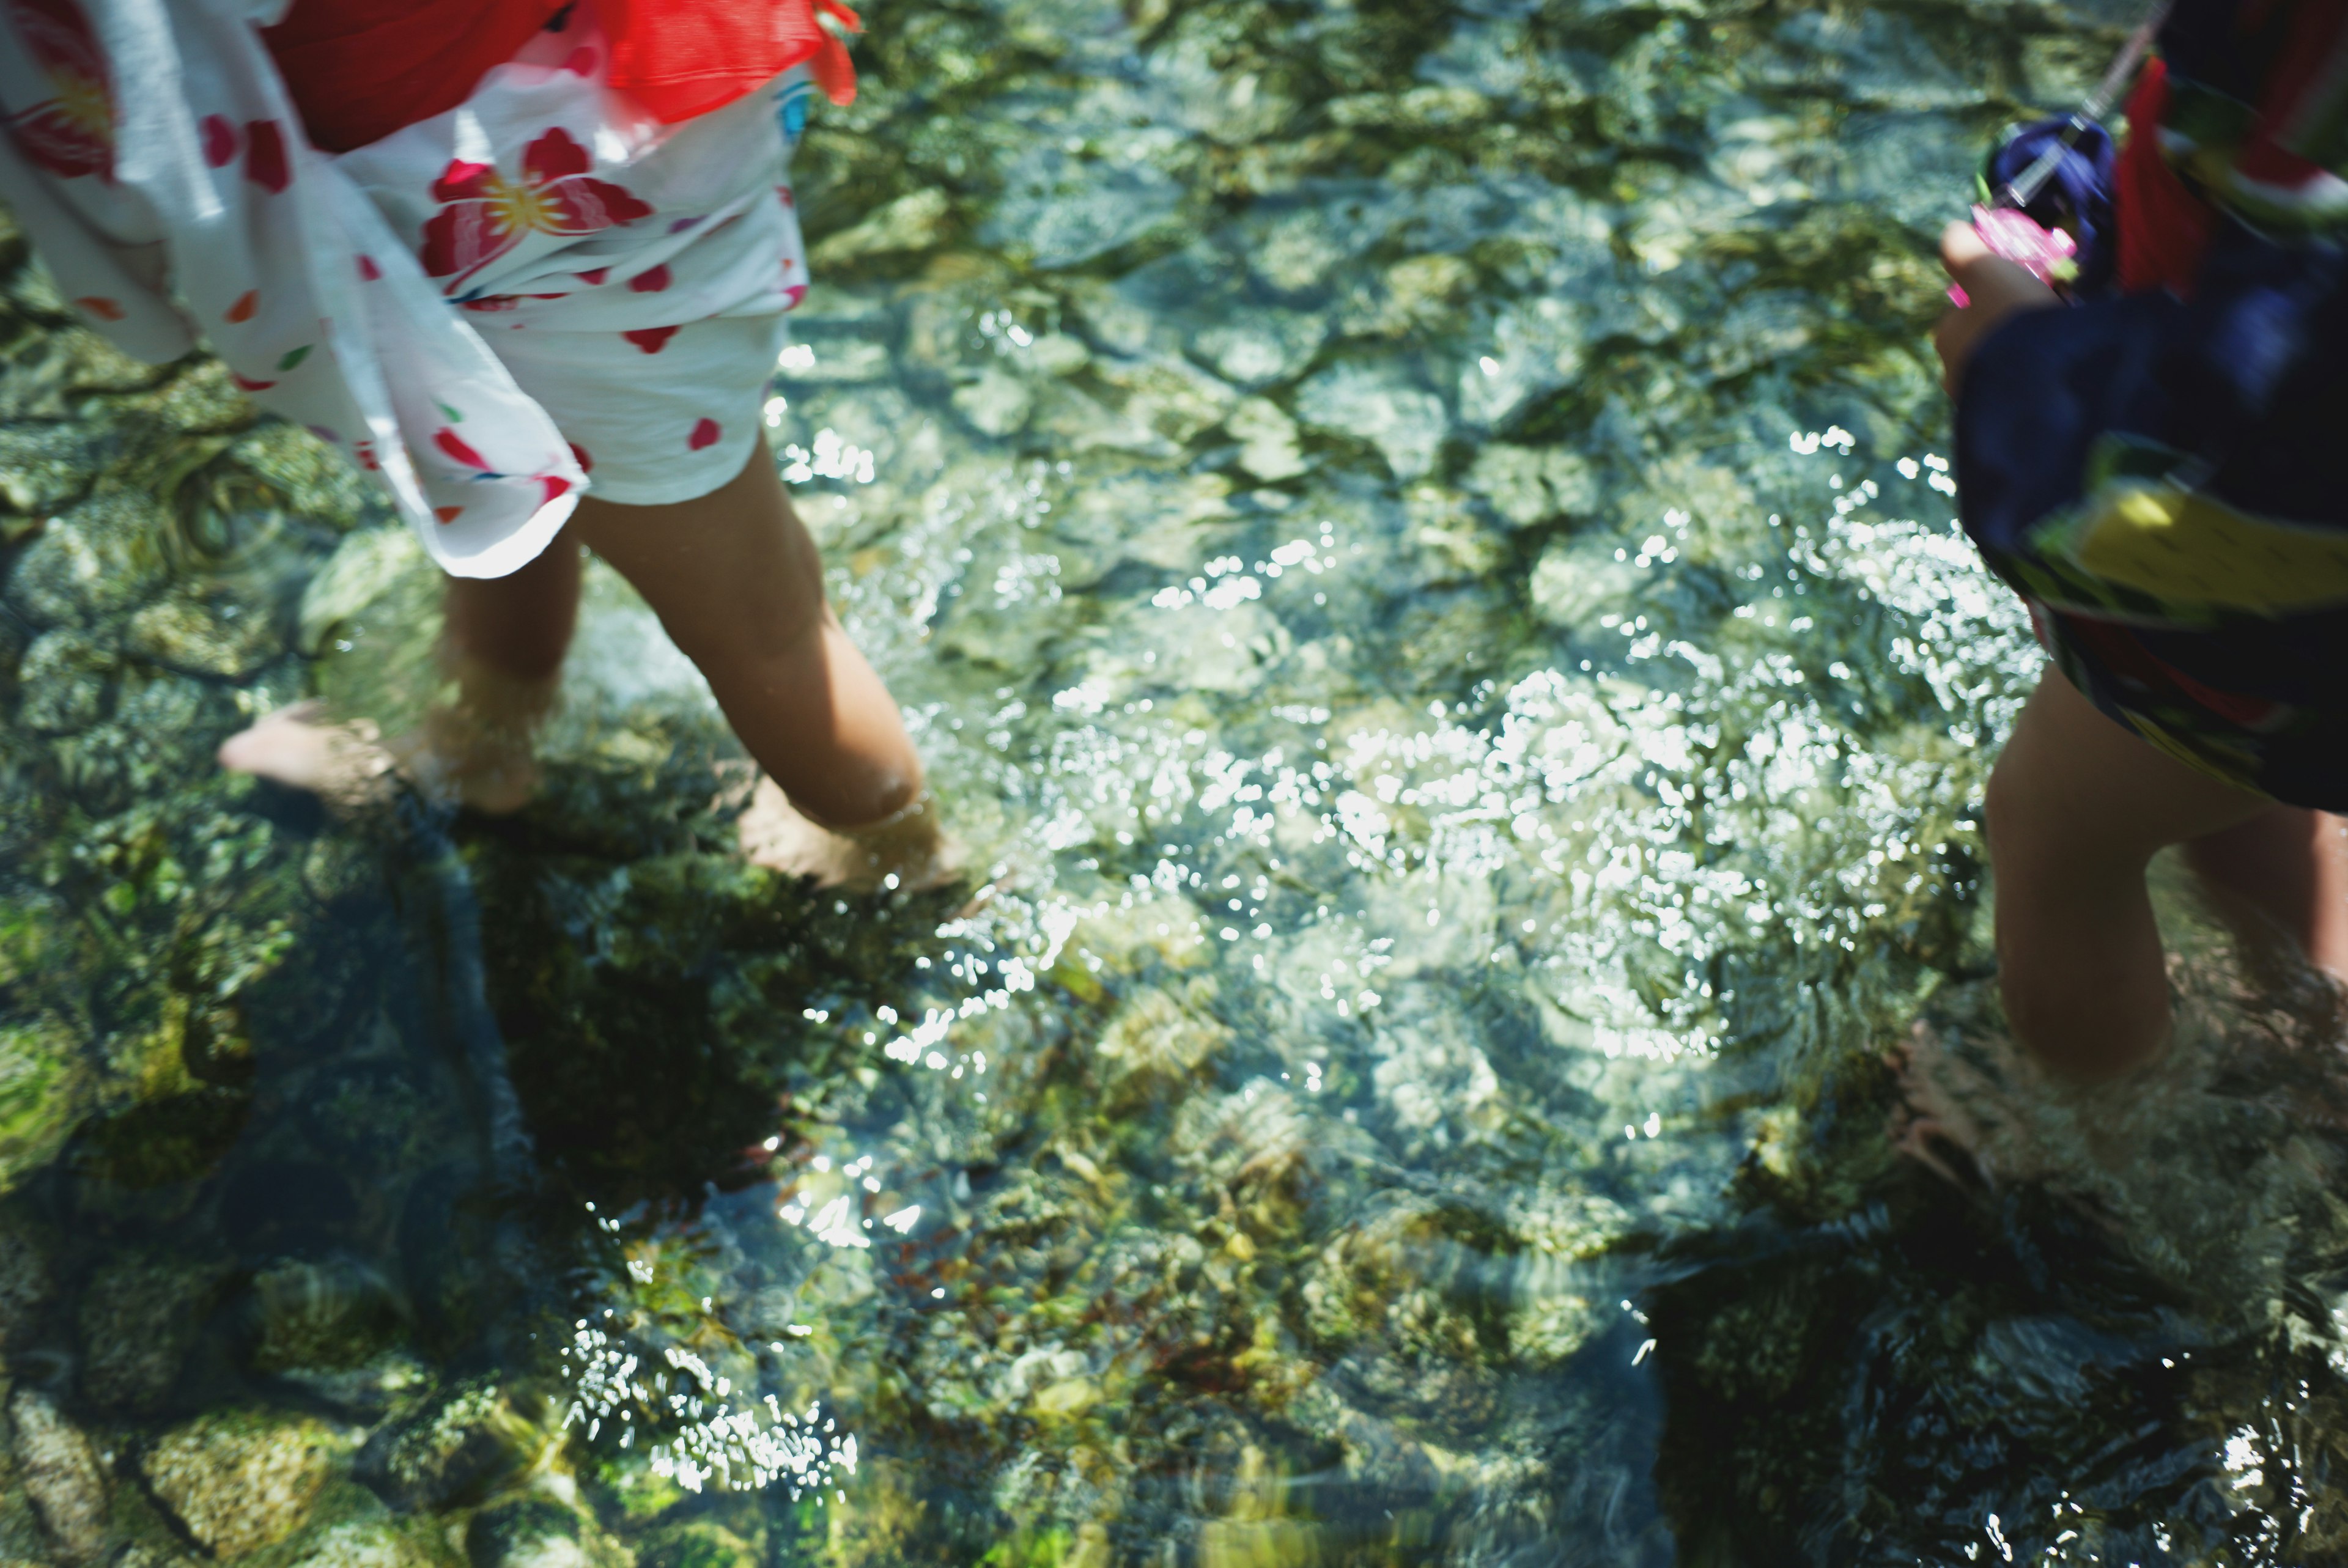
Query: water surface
{"type": "Point", "coordinates": [1417, 543]}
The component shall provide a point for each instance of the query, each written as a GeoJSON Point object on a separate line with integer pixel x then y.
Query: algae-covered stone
{"type": "Point", "coordinates": [239, 1480]}
{"type": "Point", "coordinates": [22, 1538]}
{"type": "Point", "coordinates": [61, 1475]}
{"type": "Point", "coordinates": [216, 636]}
{"type": "Point", "coordinates": [64, 679]}
{"type": "Point", "coordinates": [364, 568]}
{"type": "Point", "coordinates": [161, 735]}
{"type": "Point", "coordinates": [697, 1544]}
{"type": "Point", "coordinates": [1577, 580]}
{"type": "Point", "coordinates": [27, 1282]}
{"type": "Point", "coordinates": [1153, 1051]}
{"type": "Point", "coordinates": [1528, 485]}
{"type": "Point", "coordinates": [97, 560]}
{"type": "Point", "coordinates": [321, 1315]}
{"type": "Point", "coordinates": [912, 222]}
{"type": "Point", "coordinates": [390, 1383]}
{"type": "Point", "coordinates": [43, 1085]}
{"type": "Point", "coordinates": [327, 487]}
{"type": "Point", "coordinates": [138, 1317]}
{"type": "Point", "coordinates": [1260, 347]}
{"type": "Point", "coordinates": [531, 1532]}
{"type": "Point", "coordinates": [1378, 404]}
{"type": "Point", "coordinates": [456, 1448]}
{"type": "Point", "coordinates": [45, 466]}
{"type": "Point", "coordinates": [1267, 438]}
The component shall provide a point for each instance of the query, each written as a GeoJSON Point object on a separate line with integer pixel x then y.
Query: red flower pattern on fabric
{"type": "Point", "coordinates": [72, 134]}
{"type": "Point", "coordinates": [265, 162]}
{"type": "Point", "coordinates": [454, 446]}
{"type": "Point", "coordinates": [220, 140]}
{"type": "Point", "coordinates": [484, 213]}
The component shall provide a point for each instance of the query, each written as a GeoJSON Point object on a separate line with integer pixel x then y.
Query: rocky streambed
{"type": "Point", "coordinates": [1418, 542]}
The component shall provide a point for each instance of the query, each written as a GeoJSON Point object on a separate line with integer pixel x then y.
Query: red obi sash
{"type": "Point", "coordinates": [360, 69]}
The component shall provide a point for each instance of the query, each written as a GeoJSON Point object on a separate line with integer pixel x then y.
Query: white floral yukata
{"type": "Point", "coordinates": [540, 292]}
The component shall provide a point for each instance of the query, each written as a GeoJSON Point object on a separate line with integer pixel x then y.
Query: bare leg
{"type": "Point", "coordinates": [2077, 807]}
{"type": "Point", "coordinates": [2286, 869]}
{"type": "Point", "coordinates": [738, 582]}
{"type": "Point", "coordinates": [503, 640]}
{"type": "Point", "coordinates": [504, 643]}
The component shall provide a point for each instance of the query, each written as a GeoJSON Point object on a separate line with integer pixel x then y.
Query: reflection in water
{"type": "Point", "coordinates": [1418, 546]}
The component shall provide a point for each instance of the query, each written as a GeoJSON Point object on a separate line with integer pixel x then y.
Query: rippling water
{"type": "Point", "coordinates": [1418, 544]}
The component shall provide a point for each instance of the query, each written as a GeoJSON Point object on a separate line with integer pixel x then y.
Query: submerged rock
{"type": "Point", "coordinates": [1267, 438]}
{"type": "Point", "coordinates": [138, 1316]}
{"type": "Point", "coordinates": [357, 1543]}
{"type": "Point", "coordinates": [27, 1284]}
{"type": "Point", "coordinates": [459, 1448]}
{"type": "Point", "coordinates": [1152, 1053]}
{"type": "Point", "coordinates": [537, 1533]}
{"type": "Point", "coordinates": [203, 636]}
{"type": "Point", "coordinates": [697, 1543]}
{"type": "Point", "coordinates": [1378, 404]}
{"type": "Point", "coordinates": [61, 1475]}
{"type": "Point", "coordinates": [239, 1480]}
{"type": "Point", "coordinates": [65, 676]}
{"type": "Point", "coordinates": [22, 1538]}
{"type": "Point", "coordinates": [1526, 486]}
{"type": "Point", "coordinates": [43, 1085]}
{"type": "Point", "coordinates": [362, 569]}
{"type": "Point", "coordinates": [321, 1315]}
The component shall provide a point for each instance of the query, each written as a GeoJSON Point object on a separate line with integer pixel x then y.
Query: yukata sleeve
{"type": "Point", "coordinates": [155, 160]}
{"type": "Point", "coordinates": [2170, 462]}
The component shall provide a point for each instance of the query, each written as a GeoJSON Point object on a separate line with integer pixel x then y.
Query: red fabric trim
{"type": "Point", "coordinates": [680, 59]}
{"type": "Point", "coordinates": [2162, 226]}
{"type": "Point", "coordinates": [360, 69]}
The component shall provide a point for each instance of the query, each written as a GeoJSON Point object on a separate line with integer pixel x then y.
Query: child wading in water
{"type": "Point", "coordinates": [599, 190]}
{"type": "Point", "coordinates": [2157, 469]}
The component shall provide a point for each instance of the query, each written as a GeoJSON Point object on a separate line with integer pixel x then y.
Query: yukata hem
{"type": "Point", "coordinates": [731, 456]}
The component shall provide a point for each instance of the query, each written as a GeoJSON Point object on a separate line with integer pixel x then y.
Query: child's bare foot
{"type": "Point", "coordinates": [457, 755]}
{"type": "Point", "coordinates": [452, 756]}
{"type": "Point", "coordinates": [1927, 1125]}
{"type": "Point", "coordinates": [909, 852]}
{"type": "Point", "coordinates": [345, 764]}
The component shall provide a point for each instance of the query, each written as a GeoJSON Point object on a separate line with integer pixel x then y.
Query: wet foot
{"type": "Point", "coordinates": [350, 765]}
{"type": "Point", "coordinates": [909, 852]}
{"type": "Point", "coordinates": [343, 765]}
{"type": "Point", "coordinates": [1927, 1125]}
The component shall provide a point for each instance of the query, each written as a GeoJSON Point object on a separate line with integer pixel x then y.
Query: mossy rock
{"type": "Point", "coordinates": [537, 1533]}
{"type": "Point", "coordinates": [321, 1315]}
{"type": "Point", "coordinates": [697, 1543]}
{"type": "Point", "coordinates": [43, 1085]}
{"type": "Point", "coordinates": [461, 1447]}
{"type": "Point", "coordinates": [27, 1280]}
{"type": "Point", "coordinates": [138, 1317]}
{"type": "Point", "coordinates": [240, 1480]}
{"type": "Point", "coordinates": [60, 1474]}
{"type": "Point", "coordinates": [179, 1138]}
{"type": "Point", "coordinates": [349, 1527]}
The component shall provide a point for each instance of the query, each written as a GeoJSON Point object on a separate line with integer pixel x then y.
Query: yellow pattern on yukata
{"type": "Point", "coordinates": [2183, 547]}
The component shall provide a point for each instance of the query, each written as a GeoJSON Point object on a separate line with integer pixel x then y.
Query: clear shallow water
{"type": "Point", "coordinates": [1411, 540]}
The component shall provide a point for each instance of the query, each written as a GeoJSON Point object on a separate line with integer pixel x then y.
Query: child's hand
{"type": "Point", "coordinates": [1995, 288]}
